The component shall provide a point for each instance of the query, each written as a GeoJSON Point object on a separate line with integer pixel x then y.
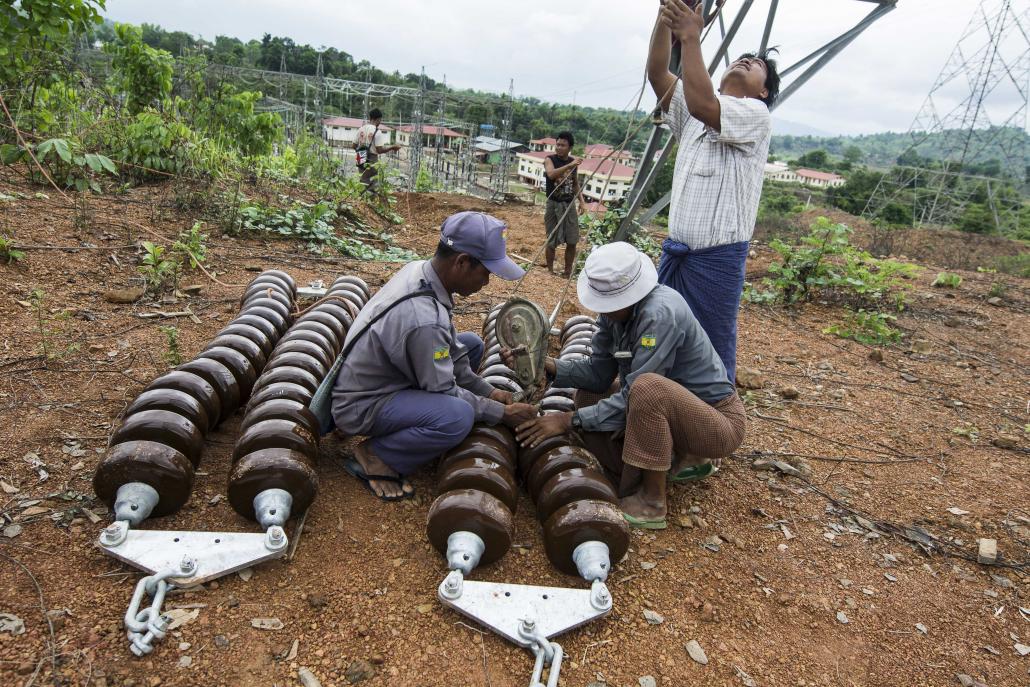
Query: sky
{"type": "Point", "coordinates": [593, 53]}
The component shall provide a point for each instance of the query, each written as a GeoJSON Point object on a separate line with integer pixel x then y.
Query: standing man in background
{"type": "Point", "coordinates": [717, 184]}
{"type": "Point", "coordinates": [563, 189]}
{"type": "Point", "coordinates": [367, 152]}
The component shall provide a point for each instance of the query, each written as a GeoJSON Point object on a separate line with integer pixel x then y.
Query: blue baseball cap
{"type": "Point", "coordinates": [483, 237]}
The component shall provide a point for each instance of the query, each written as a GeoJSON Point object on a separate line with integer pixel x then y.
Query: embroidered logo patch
{"type": "Point", "coordinates": [648, 341]}
{"type": "Point", "coordinates": [442, 353]}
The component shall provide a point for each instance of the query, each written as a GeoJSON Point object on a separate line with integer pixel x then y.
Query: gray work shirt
{"type": "Point", "coordinates": [414, 346]}
{"type": "Point", "coordinates": [662, 336]}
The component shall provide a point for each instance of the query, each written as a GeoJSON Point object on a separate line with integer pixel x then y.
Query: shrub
{"type": "Point", "coordinates": [142, 73]}
{"type": "Point", "coordinates": [948, 280]}
{"type": "Point", "coordinates": [64, 162]}
{"type": "Point", "coordinates": [8, 252]}
{"type": "Point", "coordinates": [154, 143]}
{"type": "Point", "coordinates": [871, 328]}
{"type": "Point", "coordinates": [192, 246]}
{"type": "Point", "coordinates": [158, 272]}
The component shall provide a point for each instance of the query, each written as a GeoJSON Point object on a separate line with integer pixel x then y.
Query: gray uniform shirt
{"type": "Point", "coordinates": [414, 346]}
{"type": "Point", "coordinates": [662, 336]}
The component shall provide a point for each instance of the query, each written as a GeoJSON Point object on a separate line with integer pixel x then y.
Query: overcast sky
{"type": "Point", "coordinates": [594, 51]}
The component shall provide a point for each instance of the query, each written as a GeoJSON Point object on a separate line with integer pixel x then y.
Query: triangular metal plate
{"type": "Point", "coordinates": [522, 323]}
{"type": "Point", "coordinates": [501, 607]}
{"type": "Point", "coordinates": [216, 553]}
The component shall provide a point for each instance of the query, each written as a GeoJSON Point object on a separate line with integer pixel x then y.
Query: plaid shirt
{"type": "Point", "coordinates": [718, 178]}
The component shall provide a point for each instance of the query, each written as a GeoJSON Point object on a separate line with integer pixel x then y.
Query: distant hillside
{"type": "Point", "coordinates": [882, 150]}
{"type": "Point", "coordinates": [785, 127]}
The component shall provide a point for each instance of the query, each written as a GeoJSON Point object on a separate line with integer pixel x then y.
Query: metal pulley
{"type": "Point", "coordinates": [523, 327]}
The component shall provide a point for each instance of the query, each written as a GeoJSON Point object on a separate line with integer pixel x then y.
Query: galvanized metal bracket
{"type": "Point", "coordinates": [523, 327]}
{"type": "Point", "coordinates": [503, 607]}
{"type": "Point", "coordinates": [214, 553]}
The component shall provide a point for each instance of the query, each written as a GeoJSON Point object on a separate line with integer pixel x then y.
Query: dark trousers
{"type": "Point", "coordinates": [414, 427]}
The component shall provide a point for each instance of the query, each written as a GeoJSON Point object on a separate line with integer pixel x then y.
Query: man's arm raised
{"type": "Point", "coordinates": [686, 25]}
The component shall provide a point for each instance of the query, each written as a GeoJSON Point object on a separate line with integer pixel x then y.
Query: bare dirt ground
{"type": "Point", "coordinates": [813, 580]}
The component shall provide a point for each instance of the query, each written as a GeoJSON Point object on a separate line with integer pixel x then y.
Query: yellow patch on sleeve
{"type": "Point", "coordinates": [442, 353]}
{"type": "Point", "coordinates": [648, 341]}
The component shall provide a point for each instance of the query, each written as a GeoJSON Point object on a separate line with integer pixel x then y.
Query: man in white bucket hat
{"type": "Point", "coordinates": [674, 402]}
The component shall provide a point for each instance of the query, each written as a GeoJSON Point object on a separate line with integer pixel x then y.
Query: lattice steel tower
{"type": "Point", "coordinates": [976, 112]}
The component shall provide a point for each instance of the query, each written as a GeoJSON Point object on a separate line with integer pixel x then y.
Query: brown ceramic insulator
{"type": "Point", "coordinates": [278, 321]}
{"type": "Point", "coordinates": [338, 328]}
{"type": "Point", "coordinates": [500, 370]}
{"type": "Point", "coordinates": [285, 276]}
{"type": "Point", "coordinates": [194, 386]}
{"type": "Point", "coordinates": [575, 350]}
{"type": "Point", "coordinates": [490, 341]}
{"type": "Point", "coordinates": [281, 409]}
{"type": "Point", "coordinates": [559, 404]}
{"type": "Point", "coordinates": [260, 323]}
{"type": "Point", "coordinates": [319, 329]}
{"type": "Point", "coordinates": [294, 392]}
{"type": "Point", "coordinates": [527, 456]}
{"type": "Point", "coordinates": [344, 311]}
{"type": "Point", "coordinates": [267, 291]}
{"type": "Point", "coordinates": [563, 392]}
{"type": "Point", "coordinates": [284, 310]}
{"type": "Point", "coordinates": [281, 434]}
{"type": "Point", "coordinates": [347, 299]}
{"type": "Point", "coordinates": [499, 433]}
{"type": "Point", "coordinates": [290, 374]}
{"type": "Point", "coordinates": [469, 510]}
{"type": "Point", "coordinates": [221, 378]}
{"type": "Point", "coordinates": [307, 343]}
{"type": "Point", "coordinates": [484, 475]}
{"type": "Point", "coordinates": [574, 484]}
{"type": "Point", "coordinates": [492, 350]}
{"type": "Point", "coordinates": [272, 468]}
{"type": "Point", "coordinates": [164, 427]}
{"type": "Point", "coordinates": [357, 281]}
{"type": "Point", "coordinates": [344, 287]}
{"type": "Point", "coordinates": [326, 341]}
{"type": "Point", "coordinates": [573, 321]}
{"type": "Point", "coordinates": [264, 288]}
{"type": "Point", "coordinates": [504, 384]}
{"type": "Point", "coordinates": [479, 447]}
{"type": "Point", "coordinates": [174, 400]}
{"type": "Point", "coordinates": [583, 521]}
{"type": "Point", "coordinates": [282, 284]}
{"type": "Point", "coordinates": [242, 344]}
{"type": "Point", "coordinates": [304, 361]}
{"type": "Point", "coordinates": [162, 467]}
{"type": "Point", "coordinates": [579, 329]}
{"type": "Point", "coordinates": [556, 460]}
{"type": "Point", "coordinates": [238, 364]}
{"type": "Point", "coordinates": [491, 360]}
{"type": "Point", "coordinates": [251, 332]}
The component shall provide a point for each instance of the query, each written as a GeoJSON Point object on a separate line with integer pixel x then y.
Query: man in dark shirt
{"type": "Point", "coordinates": [560, 218]}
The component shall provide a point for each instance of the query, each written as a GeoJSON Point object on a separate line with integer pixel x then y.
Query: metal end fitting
{"type": "Point", "coordinates": [114, 534]}
{"type": "Point", "coordinates": [275, 538]}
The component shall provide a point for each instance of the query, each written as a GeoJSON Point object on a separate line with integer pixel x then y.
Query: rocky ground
{"type": "Point", "coordinates": [838, 546]}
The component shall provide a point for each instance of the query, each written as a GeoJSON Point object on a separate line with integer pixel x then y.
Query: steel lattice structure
{"type": "Point", "coordinates": [793, 77]}
{"type": "Point", "coordinates": [991, 64]}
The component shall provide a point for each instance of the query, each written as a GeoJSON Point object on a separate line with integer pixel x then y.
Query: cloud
{"type": "Point", "coordinates": [595, 52]}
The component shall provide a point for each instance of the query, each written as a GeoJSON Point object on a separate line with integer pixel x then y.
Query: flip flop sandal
{"type": "Point", "coordinates": [353, 467]}
{"type": "Point", "coordinates": [645, 523]}
{"type": "Point", "coordinates": [694, 473]}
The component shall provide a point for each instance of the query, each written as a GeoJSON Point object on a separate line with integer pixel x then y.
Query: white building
{"type": "Point", "coordinates": [343, 131]}
{"type": "Point", "coordinates": [600, 151]}
{"type": "Point", "coordinates": [545, 145]}
{"type": "Point", "coordinates": [779, 171]}
{"type": "Point", "coordinates": [450, 139]}
{"type": "Point", "coordinates": [593, 176]}
{"type": "Point", "coordinates": [811, 177]}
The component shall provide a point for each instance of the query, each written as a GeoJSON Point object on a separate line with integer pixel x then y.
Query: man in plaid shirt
{"type": "Point", "coordinates": [717, 184]}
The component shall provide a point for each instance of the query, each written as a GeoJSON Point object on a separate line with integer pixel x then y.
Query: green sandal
{"type": "Point", "coordinates": [694, 473]}
{"type": "Point", "coordinates": [645, 523]}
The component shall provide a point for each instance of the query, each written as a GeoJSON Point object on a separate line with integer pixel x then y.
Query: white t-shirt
{"type": "Point", "coordinates": [367, 137]}
{"type": "Point", "coordinates": [717, 182]}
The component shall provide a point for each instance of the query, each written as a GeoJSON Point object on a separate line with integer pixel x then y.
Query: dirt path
{"type": "Point", "coordinates": [796, 591]}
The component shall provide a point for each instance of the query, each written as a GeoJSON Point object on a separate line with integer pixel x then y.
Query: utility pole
{"type": "Point", "coordinates": [417, 116]}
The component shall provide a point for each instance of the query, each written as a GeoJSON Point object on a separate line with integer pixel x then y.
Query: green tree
{"type": "Point", "coordinates": [142, 73]}
{"type": "Point", "coordinates": [34, 35]}
{"type": "Point", "coordinates": [816, 159]}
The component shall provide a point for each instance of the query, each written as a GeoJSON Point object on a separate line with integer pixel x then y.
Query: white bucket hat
{"type": "Point", "coordinates": [615, 276]}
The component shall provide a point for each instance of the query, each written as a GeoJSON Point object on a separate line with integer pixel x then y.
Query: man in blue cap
{"type": "Point", "coordinates": [409, 382]}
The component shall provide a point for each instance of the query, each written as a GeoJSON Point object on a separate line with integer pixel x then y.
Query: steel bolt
{"type": "Point", "coordinates": [187, 564]}
{"type": "Point", "coordinates": [275, 534]}
{"type": "Point", "coordinates": [528, 624]}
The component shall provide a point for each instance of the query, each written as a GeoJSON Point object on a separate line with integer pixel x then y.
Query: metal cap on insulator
{"type": "Point", "coordinates": [272, 507]}
{"type": "Point", "coordinates": [134, 502]}
{"type": "Point", "coordinates": [592, 560]}
{"type": "Point", "coordinates": [464, 549]}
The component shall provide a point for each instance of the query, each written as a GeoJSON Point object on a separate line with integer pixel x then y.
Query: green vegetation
{"type": "Point", "coordinates": [600, 230]}
{"type": "Point", "coordinates": [827, 266]}
{"type": "Point", "coordinates": [948, 280]}
{"type": "Point", "coordinates": [159, 272]}
{"type": "Point", "coordinates": [171, 354]}
{"type": "Point", "coordinates": [192, 246]}
{"type": "Point", "coordinates": [8, 252]}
